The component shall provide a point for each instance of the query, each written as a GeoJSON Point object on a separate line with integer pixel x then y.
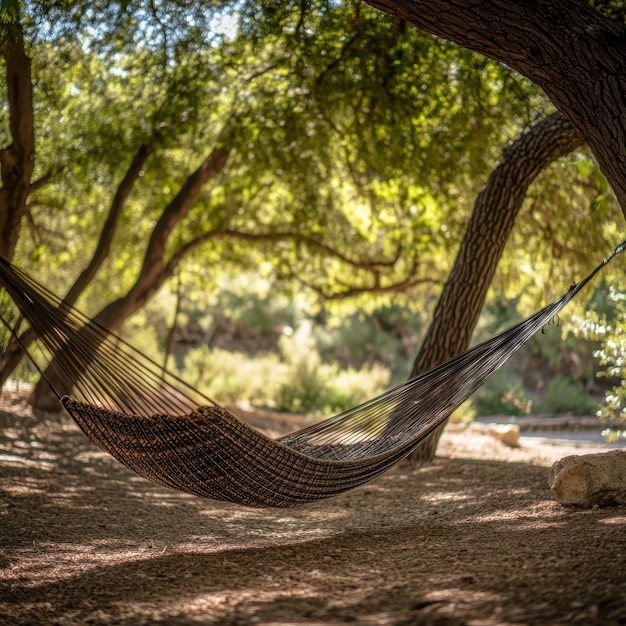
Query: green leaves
{"type": "Point", "coordinates": [9, 11]}
{"type": "Point", "coordinates": [360, 147]}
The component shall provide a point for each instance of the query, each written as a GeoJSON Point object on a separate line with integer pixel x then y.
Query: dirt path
{"type": "Point", "coordinates": [462, 541]}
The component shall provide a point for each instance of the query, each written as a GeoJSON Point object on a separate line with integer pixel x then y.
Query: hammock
{"type": "Point", "coordinates": [168, 432]}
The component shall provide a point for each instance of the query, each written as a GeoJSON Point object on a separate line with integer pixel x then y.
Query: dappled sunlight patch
{"type": "Point", "coordinates": [250, 601]}
{"type": "Point", "coordinates": [446, 601]}
{"type": "Point", "coordinates": [27, 487]}
{"type": "Point", "coordinates": [87, 540]}
{"type": "Point", "coordinates": [12, 460]}
{"type": "Point", "coordinates": [518, 520]}
{"type": "Point", "coordinates": [450, 497]}
{"type": "Point", "coordinates": [619, 520]}
{"type": "Point", "coordinates": [87, 456]}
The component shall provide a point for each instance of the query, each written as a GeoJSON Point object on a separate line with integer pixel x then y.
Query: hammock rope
{"type": "Point", "coordinates": [165, 430]}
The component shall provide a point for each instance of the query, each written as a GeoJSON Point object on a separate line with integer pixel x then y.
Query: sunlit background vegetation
{"type": "Point", "coordinates": [311, 262]}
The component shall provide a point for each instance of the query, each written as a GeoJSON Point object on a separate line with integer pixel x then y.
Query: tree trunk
{"type": "Point", "coordinates": [14, 352]}
{"type": "Point", "coordinates": [155, 270]}
{"type": "Point", "coordinates": [569, 49]}
{"type": "Point", "coordinates": [492, 221]}
{"type": "Point", "coordinates": [576, 55]}
{"type": "Point", "coordinates": [16, 159]}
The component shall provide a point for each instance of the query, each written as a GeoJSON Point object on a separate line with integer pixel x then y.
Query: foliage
{"type": "Point", "coordinates": [387, 334]}
{"type": "Point", "coordinates": [231, 377]}
{"type": "Point", "coordinates": [610, 327]}
{"type": "Point", "coordinates": [464, 414]}
{"type": "Point", "coordinates": [9, 11]}
{"type": "Point", "coordinates": [564, 395]}
{"type": "Point", "coordinates": [358, 147]}
{"type": "Point", "coordinates": [313, 386]}
{"type": "Point", "coordinates": [614, 9]}
{"type": "Point", "coordinates": [502, 394]}
{"type": "Point", "coordinates": [349, 125]}
{"type": "Point", "coordinates": [299, 384]}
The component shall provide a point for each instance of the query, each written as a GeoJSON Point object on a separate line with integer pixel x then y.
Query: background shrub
{"type": "Point", "coordinates": [564, 395]}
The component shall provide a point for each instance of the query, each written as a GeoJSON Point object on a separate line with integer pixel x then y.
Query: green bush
{"type": "Point", "coordinates": [613, 409]}
{"type": "Point", "coordinates": [359, 384]}
{"type": "Point", "coordinates": [612, 357]}
{"type": "Point", "coordinates": [233, 376]}
{"type": "Point", "coordinates": [326, 389]}
{"type": "Point", "coordinates": [465, 413]}
{"type": "Point", "coordinates": [564, 395]}
{"type": "Point", "coordinates": [305, 391]}
{"type": "Point", "coordinates": [502, 395]}
{"type": "Point", "coordinates": [297, 383]}
{"type": "Point", "coordinates": [388, 336]}
{"type": "Point", "coordinates": [607, 323]}
{"type": "Point", "coordinates": [315, 387]}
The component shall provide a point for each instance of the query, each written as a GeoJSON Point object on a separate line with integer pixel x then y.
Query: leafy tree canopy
{"type": "Point", "coordinates": [359, 145]}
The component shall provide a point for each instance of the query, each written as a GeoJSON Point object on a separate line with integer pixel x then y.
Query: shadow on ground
{"type": "Point", "coordinates": [456, 542]}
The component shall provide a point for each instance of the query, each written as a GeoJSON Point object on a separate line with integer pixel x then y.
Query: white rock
{"type": "Point", "coordinates": [508, 434]}
{"type": "Point", "coordinates": [590, 479]}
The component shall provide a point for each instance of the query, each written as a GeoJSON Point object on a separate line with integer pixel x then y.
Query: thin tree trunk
{"type": "Point", "coordinates": [155, 269]}
{"type": "Point", "coordinates": [14, 353]}
{"type": "Point", "coordinates": [491, 223]}
{"type": "Point", "coordinates": [17, 159]}
{"type": "Point", "coordinates": [171, 333]}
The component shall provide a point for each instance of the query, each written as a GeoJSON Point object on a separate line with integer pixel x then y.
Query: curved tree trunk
{"type": "Point", "coordinates": [491, 223]}
{"type": "Point", "coordinates": [578, 57]}
{"type": "Point", "coordinates": [569, 49]}
{"type": "Point", "coordinates": [155, 269]}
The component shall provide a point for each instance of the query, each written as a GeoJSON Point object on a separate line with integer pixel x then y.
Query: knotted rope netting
{"type": "Point", "coordinates": [167, 431]}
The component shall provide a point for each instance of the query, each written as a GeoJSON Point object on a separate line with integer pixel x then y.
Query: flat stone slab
{"type": "Point", "coordinates": [590, 479]}
{"type": "Point", "coordinates": [544, 421]}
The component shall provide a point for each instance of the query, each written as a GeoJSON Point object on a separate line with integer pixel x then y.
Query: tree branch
{"type": "Point", "coordinates": [107, 234]}
{"type": "Point", "coordinates": [401, 286]}
{"type": "Point", "coordinates": [180, 205]}
{"type": "Point", "coordinates": [154, 270]}
{"type": "Point", "coordinates": [45, 179]}
{"type": "Point", "coordinates": [15, 350]}
{"type": "Point", "coordinates": [568, 48]}
{"type": "Point", "coordinates": [227, 233]}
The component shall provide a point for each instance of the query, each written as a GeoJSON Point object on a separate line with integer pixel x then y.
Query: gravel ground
{"type": "Point", "coordinates": [474, 538]}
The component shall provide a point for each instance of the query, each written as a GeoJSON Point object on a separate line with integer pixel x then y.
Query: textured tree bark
{"type": "Point", "coordinates": [155, 269]}
{"type": "Point", "coordinates": [492, 221]}
{"type": "Point", "coordinates": [573, 52]}
{"type": "Point", "coordinates": [17, 159]}
{"type": "Point", "coordinates": [579, 58]}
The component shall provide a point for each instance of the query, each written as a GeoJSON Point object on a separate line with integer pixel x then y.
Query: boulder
{"type": "Point", "coordinates": [590, 479]}
{"type": "Point", "coordinates": [508, 434]}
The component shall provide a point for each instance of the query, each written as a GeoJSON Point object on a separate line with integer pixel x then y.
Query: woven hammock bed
{"type": "Point", "coordinates": [168, 432]}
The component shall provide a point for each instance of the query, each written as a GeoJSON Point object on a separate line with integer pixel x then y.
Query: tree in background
{"type": "Point", "coordinates": [578, 57]}
{"type": "Point", "coordinates": [568, 48]}
{"type": "Point", "coordinates": [492, 221]}
{"type": "Point", "coordinates": [162, 100]}
{"type": "Point", "coordinates": [326, 143]}
{"type": "Point", "coordinates": [18, 154]}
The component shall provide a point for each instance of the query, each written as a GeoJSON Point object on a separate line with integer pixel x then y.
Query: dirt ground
{"type": "Point", "coordinates": [474, 538]}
